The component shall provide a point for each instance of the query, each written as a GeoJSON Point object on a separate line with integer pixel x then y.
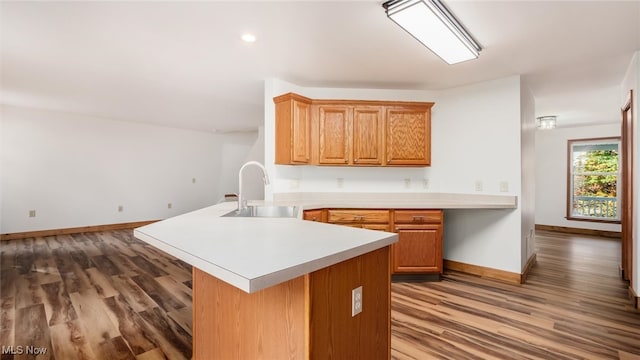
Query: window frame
{"type": "Point", "coordinates": [570, 189]}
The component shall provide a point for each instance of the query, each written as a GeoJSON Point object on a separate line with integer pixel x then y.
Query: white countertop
{"type": "Point", "coordinates": [397, 200]}
{"type": "Point", "coordinates": [256, 253]}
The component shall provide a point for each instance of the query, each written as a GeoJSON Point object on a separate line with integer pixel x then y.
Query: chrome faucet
{"type": "Point", "coordinates": [242, 203]}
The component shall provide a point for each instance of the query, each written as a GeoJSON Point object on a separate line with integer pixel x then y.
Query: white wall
{"type": "Point", "coordinates": [551, 174]}
{"type": "Point", "coordinates": [235, 150]}
{"type": "Point", "coordinates": [76, 170]}
{"type": "Point", "coordinates": [253, 187]}
{"type": "Point", "coordinates": [632, 82]}
{"type": "Point", "coordinates": [475, 137]}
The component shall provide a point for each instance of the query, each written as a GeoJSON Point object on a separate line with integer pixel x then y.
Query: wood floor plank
{"type": "Point", "coordinates": [116, 348]}
{"type": "Point", "coordinates": [7, 321]}
{"type": "Point", "coordinates": [58, 305]}
{"type": "Point", "coordinates": [8, 279]}
{"type": "Point", "coordinates": [128, 323]}
{"type": "Point", "coordinates": [160, 295]}
{"type": "Point", "coordinates": [32, 331]}
{"type": "Point", "coordinates": [177, 272]}
{"type": "Point", "coordinates": [28, 291]}
{"type": "Point", "coordinates": [92, 314]}
{"type": "Point", "coordinates": [136, 297]}
{"type": "Point", "coordinates": [147, 266]}
{"type": "Point", "coordinates": [101, 283]}
{"type": "Point", "coordinates": [155, 354]}
{"type": "Point", "coordinates": [179, 290]}
{"type": "Point", "coordinates": [124, 263]}
{"type": "Point", "coordinates": [72, 274]}
{"type": "Point", "coordinates": [183, 318]}
{"type": "Point", "coordinates": [105, 265]}
{"type": "Point", "coordinates": [70, 341]}
{"type": "Point", "coordinates": [176, 339]}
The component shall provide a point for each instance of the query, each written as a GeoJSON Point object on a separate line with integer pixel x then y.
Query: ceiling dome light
{"type": "Point", "coordinates": [248, 38]}
{"type": "Point", "coordinates": [546, 122]}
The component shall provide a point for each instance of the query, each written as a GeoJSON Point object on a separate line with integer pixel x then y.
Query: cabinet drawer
{"type": "Point", "coordinates": [418, 216]}
{"type": "Point", "coordinates": [358, 216]}
{"type": "Point", "coordinates": [313, 215]}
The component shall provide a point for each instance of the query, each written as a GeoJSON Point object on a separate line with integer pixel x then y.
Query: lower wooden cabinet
{"type": "Point", "coordinates": [418, 250]}
{"type": "Point", "coordinates": [419, 246]}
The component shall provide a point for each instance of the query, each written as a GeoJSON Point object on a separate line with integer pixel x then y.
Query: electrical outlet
{"type": "Point", "coordinates": [120, 208]}
{"type": "Point", "coordinates": [356, 301]}
{"type": "Point", "coordinates": [193, 180]}
{"type": "Point", "coordinates": [504, 186]}
{"type": "Point", "coordinates": [169, 206]}
{"type": "Point", "coordinates": [478, 185]}
{"type": "Point", "coordinates": [340, 182]}
{"type": "Point", "coordinates": [32, 213]}
{"type": "Point", "coordinates": [407, 183]}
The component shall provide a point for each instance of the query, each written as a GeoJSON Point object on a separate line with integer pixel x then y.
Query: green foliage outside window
{"type": "Point", "coordinates": [598, 161]}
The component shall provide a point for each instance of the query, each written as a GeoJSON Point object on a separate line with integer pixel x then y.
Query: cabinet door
{"type": "Point", "coordinates": [408, 136]}
{"type": "Point", "coordinates": [367, 135]}
{"type": "Point", "coordinates": [334, 135]}
{"type": "Point", "coordinates": [418, 250]}
{"type": "Point", "coordinates": [293, 129]}
{"type": "Point", "coordinates": [300, 132]}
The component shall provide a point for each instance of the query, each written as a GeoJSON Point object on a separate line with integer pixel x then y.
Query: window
{"type": "Point", "coordinates": [594, 179]}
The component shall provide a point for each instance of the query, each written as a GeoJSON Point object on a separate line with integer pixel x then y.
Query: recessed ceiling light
{"type": "Point", "coordinates": [248, 38]}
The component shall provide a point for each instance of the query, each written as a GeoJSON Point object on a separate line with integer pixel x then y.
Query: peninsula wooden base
{"type": "Point", "coordinates": [308, 317]}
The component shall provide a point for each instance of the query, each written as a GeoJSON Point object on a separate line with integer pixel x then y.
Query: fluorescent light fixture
{"type": "Point", "coordinates": [547, 122]}
{"type": "Point", "coordinates": [431, 23]}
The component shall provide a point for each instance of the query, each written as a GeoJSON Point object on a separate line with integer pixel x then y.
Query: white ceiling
{"type": "Point", "coordinates": [183, 64]}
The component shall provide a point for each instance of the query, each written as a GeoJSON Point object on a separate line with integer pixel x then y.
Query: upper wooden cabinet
{"type": "Point", "coordinates": [353, 132]}
{"type": "Point", "coordinates": [293, 129]}
{"type": "Point", "coordinates": [408, 136]}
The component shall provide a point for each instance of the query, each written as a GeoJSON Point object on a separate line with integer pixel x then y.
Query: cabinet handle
{"type": "Point", "coordinates": [358, 217]}
{"type": "Point", "coordinates": [356, 160]}
{"type": "Point", "coordinates": [315, 218]}
{"type": "Point", "coordinates": [418, 218]}
{"type": "Point", "coordinates": [346, 160]}
{"type": "Point", "coordinates": [388, 161]}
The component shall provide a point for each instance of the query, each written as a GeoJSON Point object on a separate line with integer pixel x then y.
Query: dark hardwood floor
{"type": "Point", "coordinates": [108, 296]}
{"type": "Point", "coordinates": [93, 296]}
{"type": "Point", "coordinates": [573, 306]}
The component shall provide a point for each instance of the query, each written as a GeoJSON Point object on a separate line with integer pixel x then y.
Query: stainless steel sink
{"type": "Point", "coordinates": [265, 211]}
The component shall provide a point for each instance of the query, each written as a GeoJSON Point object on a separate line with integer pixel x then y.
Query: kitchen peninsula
{"type": "Point", "coordinates": [280, 288]}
